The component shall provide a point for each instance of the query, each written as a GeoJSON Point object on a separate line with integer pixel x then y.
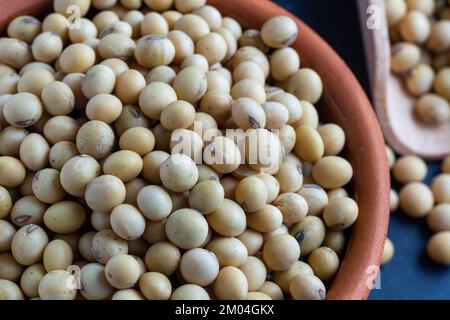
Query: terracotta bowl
{"type": "Point", "coordinates": [345, 103]}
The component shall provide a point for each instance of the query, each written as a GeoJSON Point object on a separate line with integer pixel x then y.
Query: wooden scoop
{"type": "Point", "coordinates": [393, 105]}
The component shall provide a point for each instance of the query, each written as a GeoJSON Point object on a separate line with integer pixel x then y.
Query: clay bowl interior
{"type": "Point", "coordinates": [344, 103]}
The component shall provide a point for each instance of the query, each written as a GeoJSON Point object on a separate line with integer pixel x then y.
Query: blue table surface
{"type": "Point", "coordinates": [411, 274]}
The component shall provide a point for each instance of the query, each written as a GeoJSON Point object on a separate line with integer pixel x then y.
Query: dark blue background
{"type": "Point", "coordinates": [411, 274]}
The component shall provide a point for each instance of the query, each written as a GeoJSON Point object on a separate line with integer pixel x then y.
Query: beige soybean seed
{"type": "Point", "coordinates": [186, 228]}
{"type": "Point", "coordinates": [336, 241]}
{"type": "Point", "coordinates": [64, 217]}
{"type": "Point", "coordinates": [340, 213]}
{"type": "Point", "coordinates": [438, 219]}
{"type": "Point", "coordinates": [86, 30]}
{"type": "Point", "coordinates": [229, 184]}
{"type": "Point", "coordinates": [154, 50]}
{"type": "Point", "coordinates": [438, 248]}
{"type": "Point", "coordinates": [439, 40]}
{"type": "Point", "coordinates": [415, 27]}
{"type": "Point", "coordinates": [291, 103]}
{"type": "Point", "coordinates": [272, 290]}
{"type": "Point", "coordinates": [277, 115]}
{"type": "Point", "coordinates": [61, 128]}
{"type": "Point", "coordinates": [154, 24]}
{"type": "Point", "coordinates": [154, 202]}
{"type": "Point", "coordinates": [46, 47]}
{"type": "Point", "coordinates": [29, 281]}
{"type": "Point", "coordinates": [57, 255]}
{"type": "Point", "coordinates": [8, 83]}
{"type": "Point", "coordinates": [212, 46]}
{"type": "Point", "coordinates": [309, 145]}
{"type": "Point", "coordinates": [58, 98]}
{"type": "Point", "coordinates": [416, 199]}
{"type": "Point", "coordinates": [124, 164]}
{"type": "Point", "coordinates": [307, 287]}
{"type": "Point", "coordinates": [206, 196]}
{"type": "Point", "coordinates": [27, 210]}
{"type": "Point", "coordinates": [127, 294]}
{"type": "Point", "coordinates": [122, 271]}
{"type": "Point", "coordinates": [163, 257]}
{"type": "Point", "coordinates": [104, 193]}
{"type": "Point", "coordinates": [25, 28]}
{"type": "Point", "coordinates": [409, 169]}
{"type": "Point", "coordinates": [316, 198]}
{"type": "Point", "coordinates": [272, 186]}
{"type": "Point", "coordinates": [100, 221]}
{"type": "Point", "coordinates": [217, 104]}
{"type": "Point", "coordinates": [333, 138]}
{"type": "Point", "coordinates": [34, 81]}
{"type": "Point", "coordinates": [249, 88]}
{"type": "Point", "coordinates": [420, 79]}
{"type": "Point", "coordinates": [10, 269]}
{"type": "Point", "coordinates": [404, 57]}
{"type": "Point", "coordinates": [155, 286]}
{"type": "Point", "coordinates": [252, 240]}
{"type": "Point", "coordinates": [324, 262]}
{"type": "Point", "coordinates": [28, 244]}
{"type": "Point", "coordinates": [289, 177]}
{"type": "Point", "coordinates": [284, 63]}
{"type": "Point", "coordinates": [441, 83]}
{"type": "Point", "coordinates": [309, 116]}
{"type": "Point", "coordinates": [310, 234]}
{"type": "Point", "coordinates": [22, 110]}
{"type": "Point", "coordinates": [252, 38]}
{"type": "Point", "coordinates": [190, 84]}
{"type": "Point", "coordinates": [106, 244]}
{"type": "Point", "coordinates": [228, 220]}
{"type": "Point", "coordinates": [179, 173]}
{"type": "Point", "coordinates": [231, 284]}
{"type": "Point", "coordinates": [190, 292]}
{"type": "Point", "coordinates": [332, 172]}
{"type": "Point", "coordinates": [152, 164]}
{"type": "Point", "coordinates": [127, 222]}
{"type": "Point", "coordinates": [388, 252]}
{"type": "Point", "coordinates": [248, 70]}
{"type": "Point", "coordinates": [432, 109]}
{"type": "Point", "coordinates": [138, 139]}
{"type": "Point", "coordinates": [94, 285]}
{"type": "Point", "coordinates": [255, 272]}
{"type": "Point", "coordinates": [77, 57]}
{"type": "Point", "coordinates": [10, 140]}
{"type": "Point", "coordinates": [98, 80]}
{"type": "Point", "coordinates": [155, 97]}
{"type": "Point", "coordinates": [179, 114]}
{"type": "Point", "coordinates": [77, 173]}
{"type": "Point", "coordinates": [193, 25]}
{"type": "Point", "coordinates": [160, 74]}
{"type": "Point", "coordinates": [12, 174]}
{"type": "Point", "coordinates": [251, 194]}
{"type": "Point", "coordinates": [14, 52]}
{"type": "Point", "coordinates": [248, 114]}
{"type": "Point", "coordinates": [95, 138]}
{"type": "Point", "coordinates": [195, 60]}
{"type": "Point", "coordinates": [199, 266]}
{"type": "Point", "coordinates": [57, 285]}
{"type": "Point", "coordinates": [129, 85]}
{"type": "Point", "coordinates": [47, 187]}
{"type": "Point", "coordinates": [280, 252]}
{"type": "Point", "coordinates": [306, 84]}
{"type": "Point", "coordinates": [395, 11]}
{"type": "Point", "coordinates": [104, 18]}
{"type": "Point", "coordinates": [10, 291]}
{"type": "Point", "coordinates": [441, 188]}
{"type": "Point", "coordinates": [267, 219]}
{"type": "Point", "coordinates": [116, 45]}
{"type": "Point", "coordinates": [6, 235]}
{"type": "Point", "coordinates": [184, 46]}
{"type": "Point", "coordinates": [34, 152]}
{"type": "Point", "coordinates": [279, 32]}
{"type": "Point", "coordinates": [249, 53]}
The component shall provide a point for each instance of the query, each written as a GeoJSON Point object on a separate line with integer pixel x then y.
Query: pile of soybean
{"type": "Point", "coordinates": [419, 31]}
{"type": "Point", "coordinates": [418, 201]}
{"type": "Point", "coordinates": [98, 202]}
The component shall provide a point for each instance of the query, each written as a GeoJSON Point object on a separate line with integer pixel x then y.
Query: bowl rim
{"type": "Point", "coordinates": [350, 107]}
